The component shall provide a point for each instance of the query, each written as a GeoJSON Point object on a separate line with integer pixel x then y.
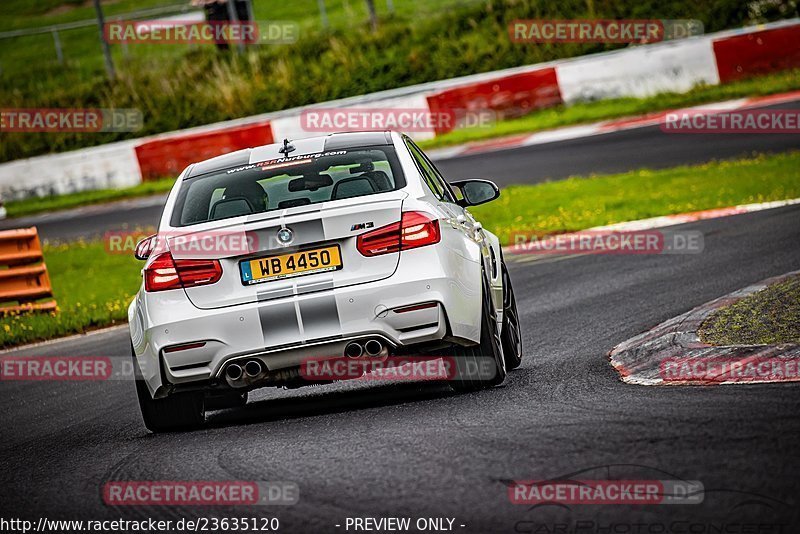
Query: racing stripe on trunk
{"type": "Point", "coordinates": [275, 293]}
{"type": "Point", "coordinates": [320, 317]}
{"type": "Point", "coordinates": [279, 324]}
{"type": "Point", "coordinates": [324, 285]}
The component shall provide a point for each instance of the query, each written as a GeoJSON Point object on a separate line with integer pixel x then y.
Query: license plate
{"type": "Point", "coordinates": [290, 265]}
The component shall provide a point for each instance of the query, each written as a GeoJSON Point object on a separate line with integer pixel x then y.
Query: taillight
{"type": "Point", "coordinates": [419, 229]}
{"type": "Point", "coordinates": [165, 273]}
{"type": "Point", "coordinates": [161, 274]}
{"type": "Point", "coordinates": [416, 229]}
{"type": "Point", "coordinates": [382, 240]}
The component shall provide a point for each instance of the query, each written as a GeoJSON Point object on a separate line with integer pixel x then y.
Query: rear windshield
{"type": "Point", "coordinates": [286, 183]}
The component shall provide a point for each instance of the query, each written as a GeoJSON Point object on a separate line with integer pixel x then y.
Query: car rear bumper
{"type": "Point", "coordinates": [284, 332]}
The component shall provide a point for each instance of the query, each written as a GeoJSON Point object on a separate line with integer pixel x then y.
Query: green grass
{"type": "Point", "coordinates": [81, 305]}
{"type": "Point", "coordinates": [552, 207]}
{"type": "Point", "coordinates": [580, 203]}
{"type": "Point", "coordinates": [31, 206]}
{"type": "Point", "coordinates": [621, 107]}
{"type": "Point", "coordinates": [768, 317]}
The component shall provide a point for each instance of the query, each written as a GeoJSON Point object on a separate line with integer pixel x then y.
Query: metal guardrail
{"type": "Point", "coordinates": [24, 281]}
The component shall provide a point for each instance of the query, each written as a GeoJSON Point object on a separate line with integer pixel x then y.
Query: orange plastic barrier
{"type": "Point", "coordinates": [23, 275]}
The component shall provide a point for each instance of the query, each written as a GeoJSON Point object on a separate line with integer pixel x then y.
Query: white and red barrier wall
{"type": "Point", "coordinates": [639, 71]}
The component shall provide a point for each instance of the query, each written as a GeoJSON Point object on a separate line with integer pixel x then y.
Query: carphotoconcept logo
{"type": "Point", "coordinates": [88, 120]}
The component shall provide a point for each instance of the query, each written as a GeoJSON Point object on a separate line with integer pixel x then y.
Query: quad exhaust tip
{"type": "Point", "coordinates": [234, 371]}
{"type": "Point", "coordinates": [373, 347]}
{"type": "Point", "coordinates": [253, 368]}
{"type": "Point", "coordinates": [353, 350]}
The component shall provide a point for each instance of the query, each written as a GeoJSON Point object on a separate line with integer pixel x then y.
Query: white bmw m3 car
{"type": "Point", "coordinates": [349, 246]}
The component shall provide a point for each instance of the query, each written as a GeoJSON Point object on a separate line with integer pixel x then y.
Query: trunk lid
{"type": "Point", "coordinates": [328, 225]}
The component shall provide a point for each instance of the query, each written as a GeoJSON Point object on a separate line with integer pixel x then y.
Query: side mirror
{"type": "Point", "coordinates": [476, 191]}
{"type": "Point", "coordinates": [145, 247]}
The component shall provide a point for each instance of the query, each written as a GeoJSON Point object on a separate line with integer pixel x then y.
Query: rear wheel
{"type": "Point", "coordinates": [481, 366]}
{"type": "Point", "coordinates": [511, 337]}
{"type": "Point", "coordinates": [179, 411]}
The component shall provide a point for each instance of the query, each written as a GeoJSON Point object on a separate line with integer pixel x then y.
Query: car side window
{"type": "Point", "coordinates": [448, 191]}
{"type": "Point", "coordinates": [427, 174]}
{"type": "Point", "coordinates": [427, 167]}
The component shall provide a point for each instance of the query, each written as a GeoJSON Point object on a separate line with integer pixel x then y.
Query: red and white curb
{"type": "Point", "coordinates": [663, 221]}
{"type": "Point", "coordinates": [693, 216]}
{"type": "Point", "coordinates": [673, 354]}
{"type": "Point", "coordinates": [605, 127]}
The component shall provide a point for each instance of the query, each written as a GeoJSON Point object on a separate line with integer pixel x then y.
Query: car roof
{"type": "Point", "coordinates": [310, 145]}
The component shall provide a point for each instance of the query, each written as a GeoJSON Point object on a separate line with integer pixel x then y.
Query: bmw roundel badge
{"type": "Point", "coordinates": [285, 236]}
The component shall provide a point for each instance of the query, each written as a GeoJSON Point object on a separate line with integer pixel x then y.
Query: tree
{"type": "Point", "coordinates": [373, 15]}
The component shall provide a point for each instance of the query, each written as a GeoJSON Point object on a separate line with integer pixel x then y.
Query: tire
{"type": "Point", "coordinates": [467, 359]}
{"type": "Point", "coordinates": [511, 336]}
{"type": "Point", "coordinates": [230, 399]}
{"type": "Point", "coordinates": [179, 411]}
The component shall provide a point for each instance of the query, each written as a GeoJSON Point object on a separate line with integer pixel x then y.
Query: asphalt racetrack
{"type": "Point", "coordinates": [418, 450]}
